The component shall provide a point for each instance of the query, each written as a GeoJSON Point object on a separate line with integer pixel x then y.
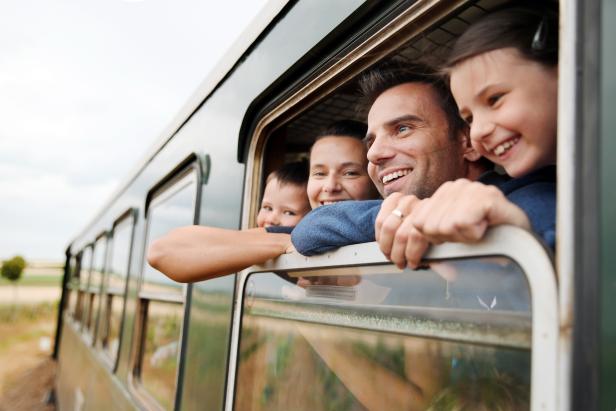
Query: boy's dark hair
{"type": "Point", "coordinates": [531, 29]}
{"type": "Point", "coordinates": [344, 128]}
{"type": "Point", "coordinates": [295, 173]}
{"type": "Point", "coordinates": [387, 75]}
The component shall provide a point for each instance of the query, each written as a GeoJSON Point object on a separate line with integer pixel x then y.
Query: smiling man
{"type": "Point", "coordinates": [416, 142]}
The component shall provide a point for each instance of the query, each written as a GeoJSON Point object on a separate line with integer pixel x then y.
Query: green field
{"type": "Point", "coordinates": [39, 280]}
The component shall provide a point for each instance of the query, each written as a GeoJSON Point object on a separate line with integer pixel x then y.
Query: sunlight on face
{"type": "Point", "coordinates": [338, 171]}
{"type": "Point", "coordinates": [510, 104]}
{"type": "Point", "coordinates": [410, 150]}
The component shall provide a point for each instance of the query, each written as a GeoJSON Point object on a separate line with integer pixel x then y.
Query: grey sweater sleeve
{"type": "Point", "coordinates": [329, 227]}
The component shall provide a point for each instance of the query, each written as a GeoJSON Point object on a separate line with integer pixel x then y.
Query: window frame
{"type": "Point", "coordinates": [90, 328]}
{"type": "Point", "coordinates": [84, 283]}
{"type": "Point", "coordinates": [130, 216]}
{"type": "Point", "coordinates": [190, 168]}
{"type": "Point", "coordinates": [514, 243]}
{"type": "Point", "coordinates": [72, 288]}
{"type": "Point", "coordinates": [364, 50]}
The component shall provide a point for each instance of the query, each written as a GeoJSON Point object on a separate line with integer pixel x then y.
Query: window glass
{"type": "Point", "coordinates": [83, 300]}
{"type": "Point", "coordinates": [98, 264]}
{"type": "Point", "coordinates": [161, 299]}
{"type": "Point", "coordinates": [161, 349]}
{"type": "Point", "coordinates": [86, 264]}
{"type": "Point", "coordinates": [175, 211]}
{"type": "Point", "coordinates": [95, 283]}
{"type": "Point", "coordinates": [116, 275]}
{"type": "Point", "coordinates": [72, 284]}
{"type": "Point", "coordinates": [367, 338]}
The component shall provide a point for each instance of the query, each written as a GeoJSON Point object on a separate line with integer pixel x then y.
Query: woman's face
{"type": "Point", "coordinates": [338, 171]}
{"type": "Point", "coordinates": [510, 103]}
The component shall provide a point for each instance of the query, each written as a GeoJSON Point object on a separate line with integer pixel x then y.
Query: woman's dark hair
{"type": "Point", "coordinates": [393, 73]}
{"type": "Point", "coordinates": [344, 128]}
{"type": "Point", "coordinates": [532, 30]}
{"type": "Point", "coordinates": [295, 173]}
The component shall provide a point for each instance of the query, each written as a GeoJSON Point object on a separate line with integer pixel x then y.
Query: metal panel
{"type": "Point", "coordinates": [607, 208]}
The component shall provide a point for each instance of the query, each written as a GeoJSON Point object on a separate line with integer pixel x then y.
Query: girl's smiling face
{"type": "Point", "coordinates": [338, 171]}
{"type": "Point", "coordinates": [510, 104]}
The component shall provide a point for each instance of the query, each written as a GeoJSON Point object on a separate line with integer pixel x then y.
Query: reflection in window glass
{"type": "Point", "coordinates": [160, 351]}
{"type": "Point", "coordinates": [72, 285]}
{"type": "Point", "coordinates": [83, 308]}
{"type": "Point", "coordinates": [95, 283]}
{"type": "Point", "coordinates": [456, 336]}
{"type": "Point", "coordinates": [115, 286]}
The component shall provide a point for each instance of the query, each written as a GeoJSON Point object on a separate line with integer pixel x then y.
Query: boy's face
{"type": "Point", "coordinates": [282, 205]}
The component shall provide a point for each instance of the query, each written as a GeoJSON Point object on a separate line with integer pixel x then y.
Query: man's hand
{"type": "Point", "coordinates": [397, 237]}
{"type": "Point", "coordinates": [461, 211]}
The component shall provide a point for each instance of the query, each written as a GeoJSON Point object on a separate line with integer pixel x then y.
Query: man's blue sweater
{"type": "Point", "coordinates": [351, 222]}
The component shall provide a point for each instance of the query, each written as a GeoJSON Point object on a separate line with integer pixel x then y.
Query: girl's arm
{"type": "Point", "coordinates": [196, 253]}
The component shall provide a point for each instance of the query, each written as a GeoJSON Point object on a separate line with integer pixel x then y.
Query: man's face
{"type": "Point", "coordinates": [409, 148]}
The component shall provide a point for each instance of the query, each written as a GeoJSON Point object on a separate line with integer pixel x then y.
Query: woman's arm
{"type": "Point", "coordinates": [196, 253]}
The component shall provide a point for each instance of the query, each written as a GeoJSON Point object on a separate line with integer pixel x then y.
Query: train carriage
{"type": "Point", "coordinates": [519, 324]}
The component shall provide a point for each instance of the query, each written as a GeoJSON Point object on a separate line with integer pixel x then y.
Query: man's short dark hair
{"type": "Point", "coordinates": [295, 173]}
{"type": "Point", "coordinates": [344, 128]}
{"type": "Point", "coordinates": [393, 73]}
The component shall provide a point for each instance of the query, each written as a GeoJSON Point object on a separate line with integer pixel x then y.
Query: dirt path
{"type": "Point", "coordinates": [29, 390]}
{"type": "Point", "coordinates": [26, 369]}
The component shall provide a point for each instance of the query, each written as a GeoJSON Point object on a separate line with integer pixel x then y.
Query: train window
{"type": "Point", "coordinates": [287, 133]}
{"type": "Point", "coordinates": [72, 285]}
{"type": "Point", "coordinates": [114, 288]}
{"type": "Point", "coordinates": [83, 307]}
{"type": "Point", "coordinates": [161, 300]}
{"type": "Point", "coordinates": [94, 285]}
{"type": "Point", "coordinates": [364, 335]}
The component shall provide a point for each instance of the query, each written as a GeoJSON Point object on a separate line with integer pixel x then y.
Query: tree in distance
{"type": "Point", "coordinates": [12, 270]}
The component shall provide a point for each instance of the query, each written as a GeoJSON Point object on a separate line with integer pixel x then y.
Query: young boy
{"type": "Point", "coordinates": [285, 201]}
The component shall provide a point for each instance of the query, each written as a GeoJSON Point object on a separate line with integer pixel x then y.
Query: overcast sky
{"type": "Point", "coordinates": [85, 89]}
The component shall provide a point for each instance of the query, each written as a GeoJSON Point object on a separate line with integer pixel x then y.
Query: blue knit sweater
{"type": "Point", "coordinates": [351, 222]}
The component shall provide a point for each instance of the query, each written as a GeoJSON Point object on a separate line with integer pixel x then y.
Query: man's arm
{"type": "Point", "coordinates": [196, 253]}
{"type": "Point", "coordinates": [329, 227]}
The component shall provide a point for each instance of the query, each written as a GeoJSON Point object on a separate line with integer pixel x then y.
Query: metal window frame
{"type": "Point", "coordinates": [128, 217]}
{"type": "Point", "coordinates": [192, 169]}
{"type": "Point", "coordinates": [92, 291]}
{"type": "Point", "coordinates": [512, 242]}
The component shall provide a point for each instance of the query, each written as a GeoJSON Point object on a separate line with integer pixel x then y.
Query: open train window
{"type": "Point", "coordinates": [424, 31]}
{"type": "Point", "coordinates": [364, 334]}
{"type": "Point", "coordinates": [115, 286]}
{"type": "Point", "coordinates": [162, 302]}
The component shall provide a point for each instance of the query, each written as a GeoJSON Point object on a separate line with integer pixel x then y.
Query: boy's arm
{"type": "Point", "coordinates": [196, 253]}
{"type": "Point", "coordinates": [329, 227]}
